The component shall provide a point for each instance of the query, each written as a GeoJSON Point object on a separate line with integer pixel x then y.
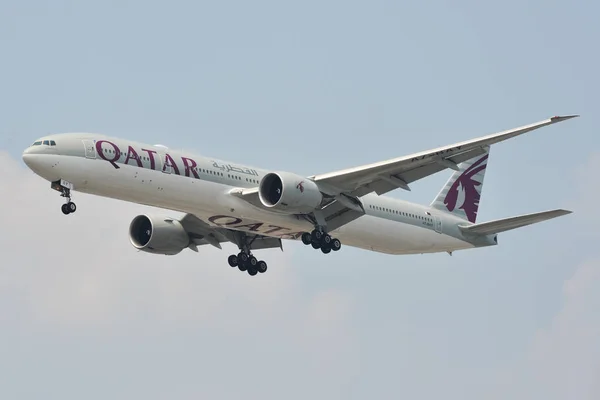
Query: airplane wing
{"type": "Point", "coordinates": [382, 177]}
{"type": "Point", "coordinates": [342, 189]}
{"type": "Point", "coordinates": [201, 233]}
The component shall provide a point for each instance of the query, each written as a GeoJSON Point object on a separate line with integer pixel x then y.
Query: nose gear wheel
{"type": "Point", "coordinates": [65, 191]}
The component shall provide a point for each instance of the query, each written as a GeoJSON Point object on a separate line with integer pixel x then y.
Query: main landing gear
{"type": "Point", "coordinates": [321, 240]}
{"type": "Point", "coordinates": [64, 188]}
{"type": "Point", "coordinates": [244, 260]}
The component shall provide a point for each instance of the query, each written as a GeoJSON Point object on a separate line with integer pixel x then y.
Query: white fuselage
{"type": "Point", "coordinates": [174, 180]}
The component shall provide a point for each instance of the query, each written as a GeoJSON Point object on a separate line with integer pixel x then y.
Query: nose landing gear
{"type": "Point", "coordinates": [64, 188]}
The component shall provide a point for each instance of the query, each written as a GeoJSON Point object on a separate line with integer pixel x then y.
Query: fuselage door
{"type": "Point", "coordinates": [90, 149]}
{"type": "Point", "coordinates": [438, 224]}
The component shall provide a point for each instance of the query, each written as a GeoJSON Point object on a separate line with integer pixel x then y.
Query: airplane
{"type": "Point", "coordinates": [252, 208]}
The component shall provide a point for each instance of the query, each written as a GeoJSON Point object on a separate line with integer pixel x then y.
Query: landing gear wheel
{"type": "Point", "coordinates": [252, 262]}
{"type": "Point", "coordinates": [65, 209]}
{"type": "Point", "coordinates": [252, 271]}
{"type": "Point", "coordinates": [325, 249]}
{"type": "Point", "coordinates": [315, 245]}
{"type": "Point", "coordinates": [316, 235]}
{"type": "Point", "coordinates": [243, 258]}
{"type": "Point", "coordinates": [233, 261]}
{"type": "Point", "coordinates": [242, 267]}
{"type": "Point", "coordinates": [326, 240]}
{"type": "Point", "coordinates": [262, 267]}
{"type": "Point", "coordinates": [336, 244]}
{"type": "Point", "coordinates": [306, 238]}
{"type": "Point", "coordinates": [71, 207]}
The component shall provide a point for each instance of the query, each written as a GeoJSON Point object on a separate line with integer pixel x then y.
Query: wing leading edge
{"type": "Point", "coordinates": [384, 176]}
{"type": "Point", "coordinates": [342, 189]}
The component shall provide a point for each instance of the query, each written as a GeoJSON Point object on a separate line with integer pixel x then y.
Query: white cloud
{"type": "Point", "coordinates": [563, 361]}
{"type": "Point", "coordinates": [565, 358]}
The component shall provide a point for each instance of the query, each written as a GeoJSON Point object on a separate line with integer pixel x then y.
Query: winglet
{"type": "Point", "coordinates": [558, 118]}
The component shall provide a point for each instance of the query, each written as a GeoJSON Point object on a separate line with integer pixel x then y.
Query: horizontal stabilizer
{"type": "Point", "coordinates": [506, 224]}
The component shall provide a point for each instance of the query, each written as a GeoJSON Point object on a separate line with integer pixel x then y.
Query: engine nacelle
{"type": "Point", "coordinates": [158, 235]}
{"type": "Point", "coordinates": [289, 193]}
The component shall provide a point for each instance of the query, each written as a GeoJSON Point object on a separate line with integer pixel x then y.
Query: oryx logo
{"type": "Point", "coordinates": [300, 186]}
{"type": "Point", "coordinates": [468, 189]}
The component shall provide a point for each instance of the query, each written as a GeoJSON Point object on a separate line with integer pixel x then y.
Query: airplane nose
{"type": "Point", "coordinates": [28, 159]}
{"type": "Point", "coordinates": [28, 156]}
{"type": "Point", "coordinates": [41, 164]}
{"type": "Point", "coordinates": [33, 160]}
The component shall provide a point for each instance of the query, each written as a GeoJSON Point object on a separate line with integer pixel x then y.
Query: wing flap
{"type": "Point", "coordinates": [506, 224]}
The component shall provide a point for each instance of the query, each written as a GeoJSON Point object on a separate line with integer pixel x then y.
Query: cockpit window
{"type": "Point", "coordinates": [45, 143]}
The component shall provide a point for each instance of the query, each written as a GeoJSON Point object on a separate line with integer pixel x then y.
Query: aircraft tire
{"type": "Point", "coordinates": [232, 260]}
{"type": "Point", "coordinates": [335, 244]}
{"type": "Point", "coordinates": [262, 267]}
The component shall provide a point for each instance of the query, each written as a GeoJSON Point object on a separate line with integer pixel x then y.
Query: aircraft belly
{"type": "Point", "coordinates": [211, 202]}
{"type": "Point", "coordinates": [394, 237]}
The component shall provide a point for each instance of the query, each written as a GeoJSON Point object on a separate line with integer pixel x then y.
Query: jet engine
{"type": "Point", "coordinates": [158, 235]}
{"type": "Point", "coordinates": [289, 193]}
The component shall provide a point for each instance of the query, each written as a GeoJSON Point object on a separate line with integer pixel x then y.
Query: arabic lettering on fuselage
{"type": "Point", "coordinates": [112, 153]}
{"type": "Point", "coordinates": [230, 168]}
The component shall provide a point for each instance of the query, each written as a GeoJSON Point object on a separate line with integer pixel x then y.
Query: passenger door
{"type": "Point", "coordinates": [90, 149]}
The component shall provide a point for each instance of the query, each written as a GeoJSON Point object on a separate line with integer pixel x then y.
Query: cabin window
{"type": "Point", "coordinates": [52, 143]}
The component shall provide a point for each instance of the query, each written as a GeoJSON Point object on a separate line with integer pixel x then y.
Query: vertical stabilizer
{"type": "Point", "coordinates": [462, 192]}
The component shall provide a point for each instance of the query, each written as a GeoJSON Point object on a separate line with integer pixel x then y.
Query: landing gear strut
{"type": "Point", "coordinates": [64, 188]}
{"type": "Point", "coordinates": [245, 261]}
{"type": "Point", "coordinates": [320, 239]}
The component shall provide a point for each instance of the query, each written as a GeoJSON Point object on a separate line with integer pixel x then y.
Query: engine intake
{"type": "Point", "coordinates": [289, 193]}
{"type": "Point", "coordinates": [158, 235]}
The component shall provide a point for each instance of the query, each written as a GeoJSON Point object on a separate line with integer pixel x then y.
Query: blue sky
{"type": "Point", "coordinates": [309, 88]}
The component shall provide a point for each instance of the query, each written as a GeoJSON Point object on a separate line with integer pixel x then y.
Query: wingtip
{"type": "Point", "coordinates": [559, 118]}
{"type": "Point", "coordinates": [561, 211]}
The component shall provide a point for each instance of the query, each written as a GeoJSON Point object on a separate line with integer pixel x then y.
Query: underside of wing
{"type": "Point", "coordinates": [201, 233]}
